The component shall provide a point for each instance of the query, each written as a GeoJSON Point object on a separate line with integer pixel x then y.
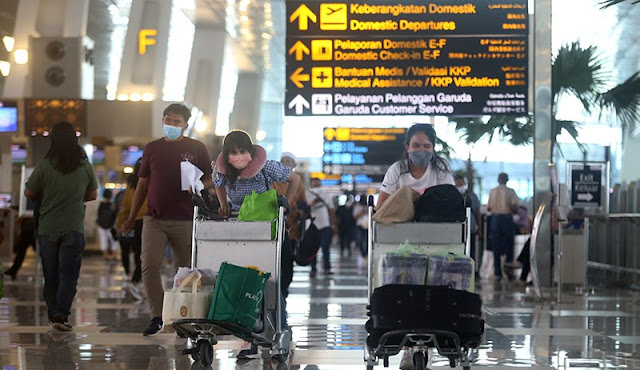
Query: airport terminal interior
{"type": "Point", "coordinates": [110, 67]}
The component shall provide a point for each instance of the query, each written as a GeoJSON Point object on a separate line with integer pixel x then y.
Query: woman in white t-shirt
{"type": "Point", "coordinates": [420, 168]}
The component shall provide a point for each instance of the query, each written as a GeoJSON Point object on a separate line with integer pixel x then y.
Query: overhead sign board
{"type": "Point", "coordinates": [361, 151]}
{"type": "Point", "coordinates": [438, 57]}
{"type": "Point", "coordinates": [586, 185]}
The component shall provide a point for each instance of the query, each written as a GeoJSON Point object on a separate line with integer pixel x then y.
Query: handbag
{"type": "Point", "coordinates": [238, 295]}
{"type": "Point", "coordinates": [179, 304]}
{"type": "Point", "coordinates": [260, 207]}
{"type": "Point", "coordinates": [307, 248]}
{"type": "Point", "coordinates": [398, 207]}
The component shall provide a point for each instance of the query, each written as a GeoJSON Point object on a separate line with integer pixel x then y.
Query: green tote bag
{"type": "Point", "coordinates": [238, 295]}
{"type": "Point", "coordinates": [260, 207]}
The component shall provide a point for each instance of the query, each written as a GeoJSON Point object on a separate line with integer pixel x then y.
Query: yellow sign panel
{"type": "Point", "coordinates": [321, 49]}
{"type": "Point", "coordinates": [333, 17]}
{"type": "Point", "coordinates": [145, 38]}
{"type": "Point", "coordinates": [362, 134]}
{"type": "Point", "coordinates": [321, 77]}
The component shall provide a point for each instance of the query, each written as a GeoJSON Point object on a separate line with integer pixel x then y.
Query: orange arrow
{"type": "Point", "coordinates": [296, 77]}
{"type": "Point", "coordinates": [304, 14]}
{"type": "Point", "coordinates": [299, 48]}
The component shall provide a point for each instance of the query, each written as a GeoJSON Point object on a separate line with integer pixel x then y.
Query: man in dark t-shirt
{"type": "Point", "coordinates": [169, 215]}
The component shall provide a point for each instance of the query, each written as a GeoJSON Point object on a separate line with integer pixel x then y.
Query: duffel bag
{"type": "Point", "coordinates": [396, 306]}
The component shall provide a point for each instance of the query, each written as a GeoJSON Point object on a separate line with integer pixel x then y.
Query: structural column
{"type": "Point", "coordinates": [205, 72]}
{"type": "Point", "coordinates": [248, 100]}
{"type": "Point", "coordinates": [144, 56]}
{"type": "Point", "coordinates": [543, 135]}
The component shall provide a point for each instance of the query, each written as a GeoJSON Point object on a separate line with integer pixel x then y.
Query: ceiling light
{"type": "Point", "coordinates": [135, 97]}
{"type": "Point", "coordinates": [147, 97]}
{"type": "Point", "coordinates": [244, 18]}
{"type": "Point", "coordinates": [5, 68]}
{"type": "Point", "coordinates": [260, 135]}
{"type": "Point", "coordinates": [21, 56]}
{"type": "Point", "coordinates": [123, 97]}
{"type": "Point", "coordinates": [266, 35]}
{"type": "Point", "coordinates": [9, 43]}
{"type": "Point", "coordinates": [128, 170]}
{"type": "Point", "coordinates": [268, 24]}
{"type": "Point", "coordinates": [244, 31]}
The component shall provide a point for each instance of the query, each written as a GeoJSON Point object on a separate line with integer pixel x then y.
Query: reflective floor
{"type": "Point", "coordinates": [327, 313]}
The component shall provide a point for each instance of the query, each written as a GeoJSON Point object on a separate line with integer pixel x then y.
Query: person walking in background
{"type": "Point", "coordinates": [26, 239]}
{"type": "Point", "coordinates": [63, 181]}
{"type": "Point", "coordinates": [169, 214]}
{"type": "Point", "coordinates": [293, 222]}
{"type": "Point", "coordinates": [322, 211]}
{"type": "Point", "coordinates": [503, 204]}
{"type": "Point", "coordinates": [361, 217]}
{"type": "Point", "coordinates": [346, 225]}
{"type": "Point", "coordinates": [131, 242]}
{"type": "Point", "coordinates": [106, 221]}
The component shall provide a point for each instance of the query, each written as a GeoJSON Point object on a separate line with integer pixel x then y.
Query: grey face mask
{"type": "Point", "coordinates": [421, 158]}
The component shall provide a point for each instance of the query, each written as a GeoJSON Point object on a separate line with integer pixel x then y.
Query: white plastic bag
{"type": "Point", "coordinates": [208, 277]}
{"type": "Point", "coordinates": [181, 304]}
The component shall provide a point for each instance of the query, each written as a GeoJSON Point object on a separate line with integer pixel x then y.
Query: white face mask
{"type": "Point", "coordinates": [461, 189]}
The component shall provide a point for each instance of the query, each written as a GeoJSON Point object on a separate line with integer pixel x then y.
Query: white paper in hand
{"type": "Point", "coordinates": [190, 177]}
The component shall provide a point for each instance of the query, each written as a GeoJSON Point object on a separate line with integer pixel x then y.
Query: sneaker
{"type": "Point", "coordinates": [60, 323]}
{"type": "Point", "coordinates": [248, 351]}
{"type": "Point", "coordinates": [313, 273]}
{"type": "Point", "coordinates": [135, 292]}
{"type": "Point", "coordinates": [155, 325]}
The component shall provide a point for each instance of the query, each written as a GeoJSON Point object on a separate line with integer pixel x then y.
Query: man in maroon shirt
{"type": "Point", "coordinates": [170, 210]}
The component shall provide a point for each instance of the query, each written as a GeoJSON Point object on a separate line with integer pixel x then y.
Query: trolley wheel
{"type": "Point", "coordinates": [418, 361]}
{"type": "Point", "coordinates": [466, 368]}
{"type": "Point", "coordinates": [282, 357]}
{"type": "Point", "coordinates": [369, 367]}
{"type": "Point", "coordinates": [205, 350]}
{"type": "Point", "coordinates": [385, 361]}
{"type": "Point", "coordinates": [452, 362]}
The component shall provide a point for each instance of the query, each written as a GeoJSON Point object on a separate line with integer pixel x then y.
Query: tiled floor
{"type": "Point", "coordinates": [327, 314]}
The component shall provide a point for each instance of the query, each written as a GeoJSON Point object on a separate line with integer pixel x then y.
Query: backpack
{"type": "Point", "coordinates": [106, 215]}
{"type": "Point", "coordinates": [308, 246]}
{"type": "Point", "coordinates": [440, 203]}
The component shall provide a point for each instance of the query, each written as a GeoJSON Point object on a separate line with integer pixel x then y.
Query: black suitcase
{"type": "Point", "coordinates": [409, 307]}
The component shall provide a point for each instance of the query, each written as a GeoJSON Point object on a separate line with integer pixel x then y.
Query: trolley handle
{"type": "Point", "coordinates": [370, 201]}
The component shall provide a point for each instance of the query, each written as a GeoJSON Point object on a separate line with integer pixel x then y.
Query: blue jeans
{"type": "Point", "coordinates": [503, 232]}
{"type": "Point", "coordinates": [325, 242]}
{"type": "Point", "coordinates": [61, 255]}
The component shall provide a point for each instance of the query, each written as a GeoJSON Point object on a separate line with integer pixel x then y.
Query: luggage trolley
{"type": "Point", "coordinates": [432, 237]}
{"type": "Point", "coordinates": [244, 244]}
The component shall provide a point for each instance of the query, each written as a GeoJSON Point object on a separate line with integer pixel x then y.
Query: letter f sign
{"type": "Point", "coordinates": [145, 37]}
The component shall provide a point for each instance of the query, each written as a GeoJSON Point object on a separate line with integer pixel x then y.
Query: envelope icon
{"type": "Point", "coordinates": [333, 17]}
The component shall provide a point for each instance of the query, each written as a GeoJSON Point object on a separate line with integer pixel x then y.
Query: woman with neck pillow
{"type": "Point", "coordinates": [241, 168]}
